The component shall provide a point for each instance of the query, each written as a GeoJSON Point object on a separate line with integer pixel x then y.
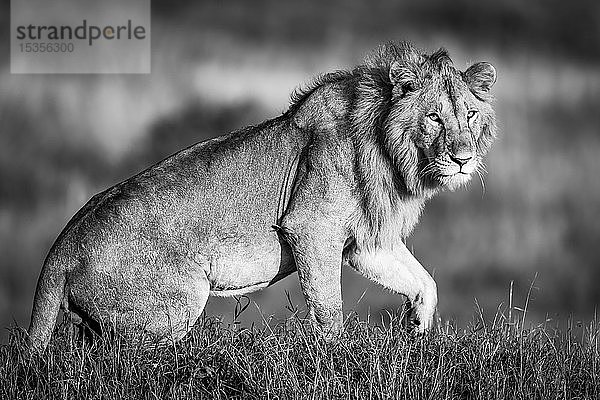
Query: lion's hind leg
{"type": "Point", "coordinates": [154, 308]}
{"type": "Point", "coordinates": [179, 307]}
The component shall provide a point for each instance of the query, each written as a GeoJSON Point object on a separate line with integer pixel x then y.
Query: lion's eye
{"type": "Point", "coordinates": [472, 114]}
{"type": "Point", "coordinates": [434, 117]}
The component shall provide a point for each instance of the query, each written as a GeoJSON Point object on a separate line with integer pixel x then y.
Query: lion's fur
{"type": "Point", "coordinates": [343, 175]}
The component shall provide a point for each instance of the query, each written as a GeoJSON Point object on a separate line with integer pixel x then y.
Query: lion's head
{"type": "Point", "coordinates": [441, 123]}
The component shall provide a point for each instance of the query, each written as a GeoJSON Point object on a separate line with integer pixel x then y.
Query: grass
{"type": "Point", "coordinates": [287, 360]}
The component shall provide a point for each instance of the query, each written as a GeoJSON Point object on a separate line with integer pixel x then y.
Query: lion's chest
{"type": "Point", "coordinates": [400, 222]}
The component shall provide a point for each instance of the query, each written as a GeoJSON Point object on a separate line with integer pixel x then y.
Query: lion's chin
{"type": "Point", "coordinates": [455, 181]}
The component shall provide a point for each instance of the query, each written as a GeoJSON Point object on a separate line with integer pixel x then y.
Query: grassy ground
{"type": "Point", "coordinates": [495, 360]}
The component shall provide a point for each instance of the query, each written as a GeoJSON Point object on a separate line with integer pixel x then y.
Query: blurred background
{"type": "Point", "coordinates": [220, 65]}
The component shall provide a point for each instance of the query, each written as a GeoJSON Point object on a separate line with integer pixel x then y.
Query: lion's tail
{"type": "Point", "coordinates": [46, 304]}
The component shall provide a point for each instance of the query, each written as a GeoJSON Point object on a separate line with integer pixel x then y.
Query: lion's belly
{"type": "Point", "coordinates": [240, 264]}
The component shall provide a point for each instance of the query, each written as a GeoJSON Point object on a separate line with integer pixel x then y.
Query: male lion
{"type": "Point", "coordinates": [340, 178]}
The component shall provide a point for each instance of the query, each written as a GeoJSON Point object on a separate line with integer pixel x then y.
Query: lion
{"type": "Point", "coordinates": [339, 179]}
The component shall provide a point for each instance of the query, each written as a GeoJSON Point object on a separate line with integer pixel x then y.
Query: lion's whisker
{"type": "Point", "coordinates": [480, 175]}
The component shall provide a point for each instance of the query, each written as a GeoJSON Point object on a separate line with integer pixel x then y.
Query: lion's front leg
{"type": "Point", "coordinates": [318, 257]}
{"type": "Point", "coordinates": [399, 271]}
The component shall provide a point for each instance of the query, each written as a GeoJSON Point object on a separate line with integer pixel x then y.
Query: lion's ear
{"type": "Point", "coordinates": [480, 77]}
{"type": "Point", "coordinates": [403, 77]}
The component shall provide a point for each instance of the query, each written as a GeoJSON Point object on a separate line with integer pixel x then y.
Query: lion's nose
{"type": "Point", "coordinates": [462, 160]}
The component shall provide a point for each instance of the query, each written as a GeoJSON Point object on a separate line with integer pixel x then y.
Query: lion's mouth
{"type": "Point", "coordinates": [457, 170]}
{"type": "Point", "coordinates": [454, 174]}
{"type": "Point", "coordinates": [449, 174]}
{"type": "Point", "coordinates": [454, 180]}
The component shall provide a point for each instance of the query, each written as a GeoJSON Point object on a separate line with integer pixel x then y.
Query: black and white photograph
{"type": "Point", "coordinates": [269, 199]}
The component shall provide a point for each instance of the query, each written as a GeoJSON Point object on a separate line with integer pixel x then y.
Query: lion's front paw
{"type": "Point", "coordinates": [418, 320]}
{"type": "Point", "coordinates": [417, 326]}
